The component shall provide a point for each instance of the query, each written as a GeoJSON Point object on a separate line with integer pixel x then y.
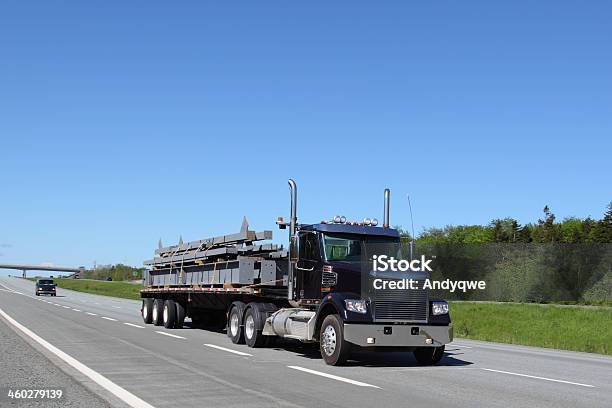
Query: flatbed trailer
{"type": "Point", "coordinates": [315, 290]}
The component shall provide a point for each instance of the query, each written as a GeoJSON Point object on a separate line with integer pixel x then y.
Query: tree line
{"type": "Point", "coordinates": [545, 261]}
{"type": "Point", "coordinates": [546, 230]}
{"type": "Point", "coordinates": [118, 272]}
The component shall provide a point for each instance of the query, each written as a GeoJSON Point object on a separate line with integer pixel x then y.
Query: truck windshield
{"type": "Point", "coordinates": [45, 282]}
{"type": "Point", "coordinates": [350, 247]}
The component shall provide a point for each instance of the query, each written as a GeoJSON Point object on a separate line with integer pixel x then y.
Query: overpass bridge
{"type": "Point", "coordinates": [24, 268]}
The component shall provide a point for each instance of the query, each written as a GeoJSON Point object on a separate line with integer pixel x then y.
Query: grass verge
{"type": "Point", "coordinates": [576, 328]}
{"type": "Point", "coordinates": [117, 289]}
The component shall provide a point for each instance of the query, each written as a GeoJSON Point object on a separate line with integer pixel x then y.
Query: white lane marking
{"type": "Point", "coordinates": [538, 378]}
{"type": "Point", "coordinates": [109, 318]}
{"type": "Point", "coordinates": [134, 325]}
{"type": "Point", "coordinates": [240, 353]}
{"type": "Point", "coordinates": [76, 310]}
{"type": "Point", "coordinates": [7, 288]}
{"type": "Point", "coordinates": [168, 334]}
{"type": "Point", "coordinates": [123, 394]}
{"type": "Point", "coordinates": [91, 314]}
{"type": "Point", "coordinates": [333, 377]}
{"type": "Point", "coordinates": [66, 307]}
{"type": "Point", "coordinates": [460, 345]}
{"type": "Point", "coordinates": [55, 304]}
{"type": "Point", "coordinates": [116, 307]}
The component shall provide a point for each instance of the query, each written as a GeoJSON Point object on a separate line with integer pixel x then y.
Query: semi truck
{"type": "Point", "coordinates": [318, 289]}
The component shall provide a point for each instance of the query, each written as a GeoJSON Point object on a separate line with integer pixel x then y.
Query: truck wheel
{"type": "Point", "coordinates": [157, 311]}
{"type": "Point", "coordinates": [169, 314]}
{"type": "Point", "coordinates": [334, 349]}
{"type": "Point", "coordinates": [429, 355]}
{"type": "Point", "coordinates": [180, 315]}
{"type": "Point", "coordinates": [235, 323]}
{"type": "Point", "coordinates": [147, 309]}
{"type": "Point", "coordinates": [253, 324]}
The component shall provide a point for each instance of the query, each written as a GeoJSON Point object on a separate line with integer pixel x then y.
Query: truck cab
{"type": "Point", "coordinates": [329, 257]}
{"type": "Point", "coordinates": [333, 279]}
{"type": "Point", "coordinates": [334, 299]}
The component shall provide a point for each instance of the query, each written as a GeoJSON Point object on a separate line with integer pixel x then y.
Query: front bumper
{"type": "Point", "coordinates": [397, 335]}
{"type": "Point", "coordinates": [46, 292]}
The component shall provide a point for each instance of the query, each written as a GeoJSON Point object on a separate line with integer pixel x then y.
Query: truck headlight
{"type": "Point", "coordinates": [356, 305]}
{"type": "Point", "coordinates": [439, 307]}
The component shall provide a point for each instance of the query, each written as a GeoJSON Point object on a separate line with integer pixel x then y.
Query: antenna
{"type": "Point", "coordinates": [412, 226]}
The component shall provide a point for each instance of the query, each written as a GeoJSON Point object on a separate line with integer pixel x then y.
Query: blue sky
{"type": "Point", "coordinates": [123, 123]}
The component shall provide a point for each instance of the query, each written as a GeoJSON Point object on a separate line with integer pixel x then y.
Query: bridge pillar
{"type": "Point", "coordinates": [23, 275]}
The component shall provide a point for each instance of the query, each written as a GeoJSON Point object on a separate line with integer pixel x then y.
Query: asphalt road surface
{"type": "Point", "coordinates": [108, 350]}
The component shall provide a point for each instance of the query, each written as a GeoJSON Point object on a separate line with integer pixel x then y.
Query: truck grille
{"type": "Point", "coordinates": [399, 304]}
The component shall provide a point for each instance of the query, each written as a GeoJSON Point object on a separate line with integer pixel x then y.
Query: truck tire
{"type": "Point", "coordinates": [157, 311]}
{"type": "Point", "coordinates": [235, 322]}
{"type": "Point", "coordinates": [180, 315]}
{"type": "Point", "coordinates": [429, 355]}
{"type": "Point", "coordinates": [147, 310]}
{"type": "Point", "coordinates": [334, 349]}
{"type": "Point", "coordinates": [169, 314]}
{"type": "Point", "coordinates": [253, 324]}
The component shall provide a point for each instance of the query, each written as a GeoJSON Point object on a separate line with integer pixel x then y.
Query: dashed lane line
{"type": "Point", "coordinates": [169, 335]}
{"type": "Point", "coordinates": [240, 353]}
{"type": "Point", "coordinates": [333, 377]}
{"type": "Point", "coordinates": [539, 378]}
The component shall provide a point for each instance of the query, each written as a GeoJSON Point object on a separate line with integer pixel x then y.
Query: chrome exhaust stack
{"type": "Point", "coordinates": [386, 213]}
{"type": "Point", "coordinates": [292, 241]}
{"type": "Point", "coordinates": [293, 220]}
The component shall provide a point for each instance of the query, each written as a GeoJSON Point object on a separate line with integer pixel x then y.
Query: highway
{"type": "Point", "coordinates": [118, 360]}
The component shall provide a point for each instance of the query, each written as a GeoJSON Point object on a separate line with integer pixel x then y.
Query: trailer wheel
{"type": "Point", "coordinates": [147, 309]}
{"type": "Point", "coordinates": [169, 314]}
{"type": "Point", "coordinates": [253, 324]}
{"type": "Point", "coordinates": [429, 355]}
{"type": "Point", "coordinates": [180, 315]}
{"type": "Point", "coordinates": [235, 322]}
{"type": "Point", "coordinates": [334, 349]}
{"type": "Point", "coordinates": [156, 315]}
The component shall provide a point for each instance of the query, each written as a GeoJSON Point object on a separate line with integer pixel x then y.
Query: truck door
{"type": "Point", "coordinates": [308, 266]}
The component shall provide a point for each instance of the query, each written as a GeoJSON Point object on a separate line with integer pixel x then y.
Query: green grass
{"type": "Point", "coordinates": [117, 289]}
{"type": "Point", "coordinates": [576, 328]}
